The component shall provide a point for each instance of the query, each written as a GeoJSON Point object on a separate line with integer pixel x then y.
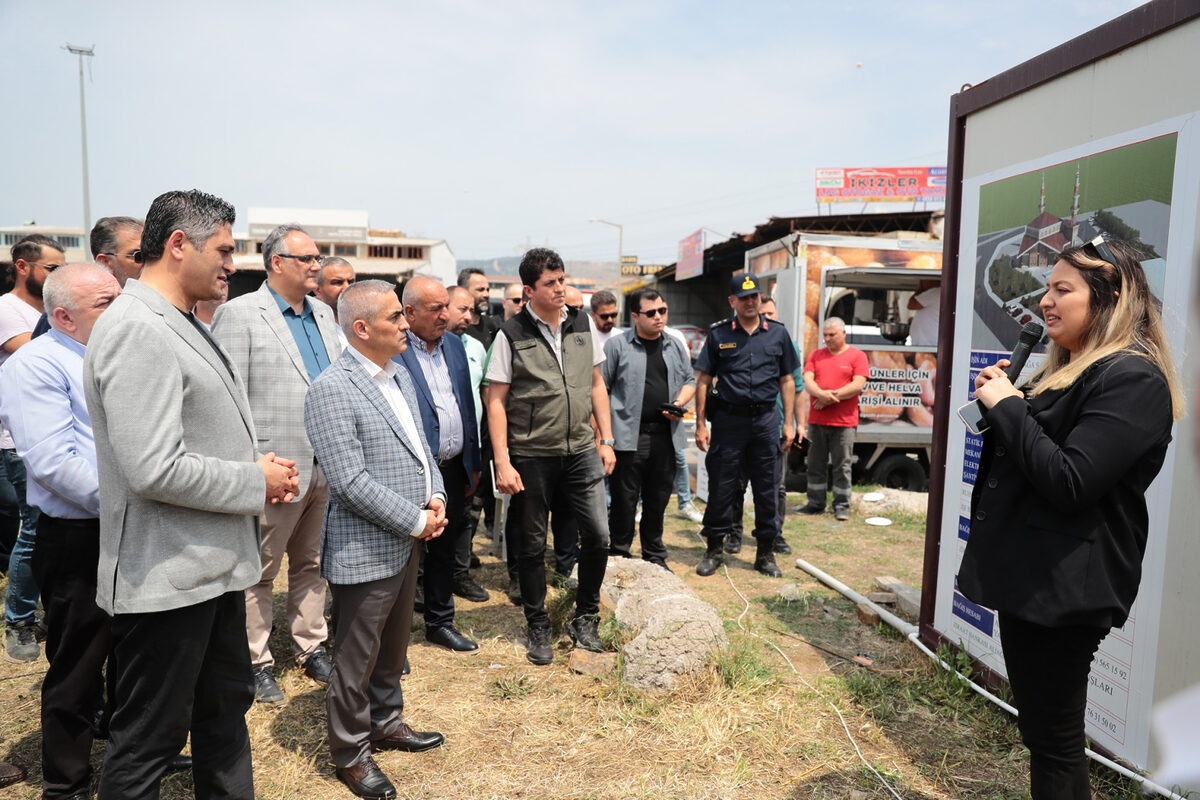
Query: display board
{"type": "Point", "coordinates": [1048, 155]}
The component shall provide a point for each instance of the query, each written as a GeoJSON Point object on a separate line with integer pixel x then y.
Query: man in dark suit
{"type": "Point", "coordinates": [385, 496]}
{"type": "Point", "coordinates": [438, 367]}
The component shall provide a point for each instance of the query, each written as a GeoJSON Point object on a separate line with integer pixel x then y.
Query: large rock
{"type": "Point", "coordinates": [677, 632]}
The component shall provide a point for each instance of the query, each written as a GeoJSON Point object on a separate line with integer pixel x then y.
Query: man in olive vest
{"type": "Point", "coordinates": [544, 384]}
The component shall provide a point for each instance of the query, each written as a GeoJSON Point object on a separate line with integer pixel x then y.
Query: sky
{"type": "Point", "coordinates": [496, 126]}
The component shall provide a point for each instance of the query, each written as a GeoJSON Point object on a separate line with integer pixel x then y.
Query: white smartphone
{"type": "Point", "coordinates": [972, 416]}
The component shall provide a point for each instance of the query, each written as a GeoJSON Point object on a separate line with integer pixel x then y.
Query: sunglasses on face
{"type": "Point", "coordinates": [653, 312]}
{"type": "Point", "coordinates": [47, 267]}
{"type": "Point", "coordinates": [133, 255]}
{"type": "Point", "coordinates": [606, 316]}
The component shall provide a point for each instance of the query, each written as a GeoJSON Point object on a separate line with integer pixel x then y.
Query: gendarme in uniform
{"type": "Point", "coordinates": [747, 368]}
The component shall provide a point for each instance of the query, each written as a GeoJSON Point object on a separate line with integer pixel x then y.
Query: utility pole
{"type": "Point", "coordinates": [87, 200]}
{"type": "Point", "coordinates": [620, 237]}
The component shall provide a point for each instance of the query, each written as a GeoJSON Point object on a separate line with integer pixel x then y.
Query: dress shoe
{"type": "Point", "coordinates": [658, 562]}
{"type": "Point", "coordinates": [449, 638]}
{"type": "Point", "coordinates": [179, 763]}
{"type": "Point", "coordinates": [809, 508]}
{"type": "Point", "coordinates": [733, 545]}
{"type": "Point", "coordinates": [468, 589]}
{"type": "Point", "coordinates": [781, 547]}
{"type": "Point", "coordinates": [712, 559]}
{"type": "Point", "coordinates": [406, 739]}
{"type": "Point", "coordinates": [366, 780]}
{"type": "Point", "coordinates": [841, 512]}
{"type": "Point", "coordinates": [318, 666]}
{"type": "Point", "coordinates": [266, 690]}
{"type": "Point", "coordinates": [407, 668]}
{"type": "Point", "coordinates": [419, 600]}
{"type": "Point", "coordinates": [10, 774]}
{"type": "Point", "coordinates": [585, 633]}
{"type": "Point", "coordinates": [538, 650]}
{"type": "Point", "coordinates": [514, 593]}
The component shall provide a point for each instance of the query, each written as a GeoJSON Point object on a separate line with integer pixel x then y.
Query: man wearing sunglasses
{"type": "Point", "coordinates": [604, 316]}
{"type": "Point", "coordinates": [116, 243]}
{"type": "Point", "coordinates": [280, 340]}
{"type": "Point", "coordinates": [514, 300]}
{"type": "Point", "coordinates": [33, 259]}
{"type": "Point", "coordinates": [645, 371]}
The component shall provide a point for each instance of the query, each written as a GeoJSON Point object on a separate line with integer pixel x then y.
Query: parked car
{"type": "Point", "coordinates": [695, 338]}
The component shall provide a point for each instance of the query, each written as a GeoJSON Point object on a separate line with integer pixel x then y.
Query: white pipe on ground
{"type": "Point", "coordinates": [911, 631]}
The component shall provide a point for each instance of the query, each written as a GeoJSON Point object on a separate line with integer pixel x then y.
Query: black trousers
{"type": "Point", "coordinates": [441, 554]}
{"type": "Point", "coordinates": [1048, 673]}
{"type": "Point", "coordinates": [186, 668]}
{"type": "Point", "coordinates": [564, 532]}
{"type": "Point", "coordinates": [580, 479]}
{"type": "Point", "coordinates": [739, 500]}
{"type": "Point", "coordinates": [78, 636]}
{"type": "Point", "coordinates": [743, 442]}
{"type": "Point", "coordinates": [648, 474]}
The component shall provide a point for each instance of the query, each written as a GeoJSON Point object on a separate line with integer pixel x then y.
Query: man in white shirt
{"type": "Point", "coordinates": [336, 275]}
{"type": "Point", "coordinates": [33, 259]}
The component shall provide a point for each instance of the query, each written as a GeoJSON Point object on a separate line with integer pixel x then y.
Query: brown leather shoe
{"type": "Point", "coordinates": [406, 739]}
{"type": "Point", "coordinates": [366, 780]}
{"type": "Point", "coordinates": [10, 774]}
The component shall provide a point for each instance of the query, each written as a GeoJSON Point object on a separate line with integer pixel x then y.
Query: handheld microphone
{"type": "Point", "coordinates": [973, 413]}
{"type": "Point", "coordinates": [1031, 334]}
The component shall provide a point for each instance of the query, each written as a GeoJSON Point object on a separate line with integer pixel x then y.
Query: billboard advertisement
{"type": "Point", "coordinates": [691, 256]}
{"type": "Point", "coordinates": [881, 184]}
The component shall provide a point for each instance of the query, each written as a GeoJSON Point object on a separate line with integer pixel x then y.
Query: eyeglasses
{"type": "Point", "coordinates": [606, 316]}
{"type": "Point", "coordinates": [47, 267]}
{"type": "Point", "coordinates": [1100, 247]}
{"type": "Point", "coordinates": [308, 260]}
{"type": "Point", "coordinates": [653, 312]}
{"type": "Point", "coordinates": [133, 255]}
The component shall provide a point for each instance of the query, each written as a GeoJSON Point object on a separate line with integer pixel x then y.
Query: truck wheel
{"type": "Point", "coordinates": [898, 471]}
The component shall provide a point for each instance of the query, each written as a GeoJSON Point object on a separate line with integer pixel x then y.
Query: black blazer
{"type": "Point", "coordinates": [1058, 512]}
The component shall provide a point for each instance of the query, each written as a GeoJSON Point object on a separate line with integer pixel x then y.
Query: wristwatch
{"type": "Point", "coordinates": [609, 442]}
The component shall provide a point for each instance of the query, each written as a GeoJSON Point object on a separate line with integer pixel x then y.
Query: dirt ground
{"type": "Point", "coordinates": [754, 725]}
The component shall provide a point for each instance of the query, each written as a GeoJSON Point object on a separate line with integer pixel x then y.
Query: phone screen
{"type": "Point", "coordinates": [972, 416]}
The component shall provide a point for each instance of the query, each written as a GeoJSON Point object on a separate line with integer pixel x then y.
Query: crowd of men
{"type": "Point", "coordinates": [166, 449]}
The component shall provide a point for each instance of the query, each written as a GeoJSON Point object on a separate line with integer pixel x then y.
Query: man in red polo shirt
{"type": "Point", "coordinates": [833, 377]}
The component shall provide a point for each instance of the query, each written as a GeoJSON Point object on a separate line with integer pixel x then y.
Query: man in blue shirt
{"type": "Point", "coordinates": [280, 340]}
{"type": "Point", "coordinates": [750, 358]}
{"type": "Point", "coordinates": [42, 403]}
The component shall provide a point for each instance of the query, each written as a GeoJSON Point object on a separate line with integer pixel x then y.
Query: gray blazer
{"type": "Point", "coordinates": [253, 331]}
{"type": "Point", "coordinates": [179, 489]}
{"type": "Point", "coordinates": [376, 481]}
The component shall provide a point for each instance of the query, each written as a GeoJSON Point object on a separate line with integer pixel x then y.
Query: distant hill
{"type": "Point", "coordinates": [604, 273]}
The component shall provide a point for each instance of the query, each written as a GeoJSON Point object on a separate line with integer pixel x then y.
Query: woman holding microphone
{"type": "Point", "coordinates": [1059, 520]}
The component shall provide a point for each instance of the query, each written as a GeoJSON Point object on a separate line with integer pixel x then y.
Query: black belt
{"type": "Point", "coordinates": [654, 426]}
{"type": "Point", "coordinates": [747, 410]}
{"type": "Point", "coordinates": [445, 462]}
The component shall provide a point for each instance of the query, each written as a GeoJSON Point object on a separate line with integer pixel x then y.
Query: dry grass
{"type": "Point", "coordinates": [748, 727]}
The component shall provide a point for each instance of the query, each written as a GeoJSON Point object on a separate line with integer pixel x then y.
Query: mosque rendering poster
{"type": "Point", "coordinates": [1022, 218]}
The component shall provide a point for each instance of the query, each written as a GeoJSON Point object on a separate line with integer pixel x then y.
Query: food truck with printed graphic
{"type": "Point", "coordinates": [867, 282]}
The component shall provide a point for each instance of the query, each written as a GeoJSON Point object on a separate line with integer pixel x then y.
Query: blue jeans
{"type": "Point", "coordinates": [683, 482]}
{"type": "Point", "coordinates": [21, 601]}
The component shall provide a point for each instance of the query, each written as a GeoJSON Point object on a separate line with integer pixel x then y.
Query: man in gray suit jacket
{"type": "Point", "coordinates": [179, 493]}
{"type": "Point", "coordinates": [280, 341]}
{"type": "Point", "coordinates": [385, 495]}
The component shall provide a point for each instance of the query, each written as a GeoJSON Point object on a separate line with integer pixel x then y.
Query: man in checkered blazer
{"type": "Point", "coordinates": [386, 495]}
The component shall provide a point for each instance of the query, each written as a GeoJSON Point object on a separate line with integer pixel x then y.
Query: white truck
{"type": "Point", "coordinates": [867, 282]}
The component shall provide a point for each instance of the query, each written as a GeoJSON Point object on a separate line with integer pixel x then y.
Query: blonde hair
{"type": "Point", "coordinates": [1123, 317]}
